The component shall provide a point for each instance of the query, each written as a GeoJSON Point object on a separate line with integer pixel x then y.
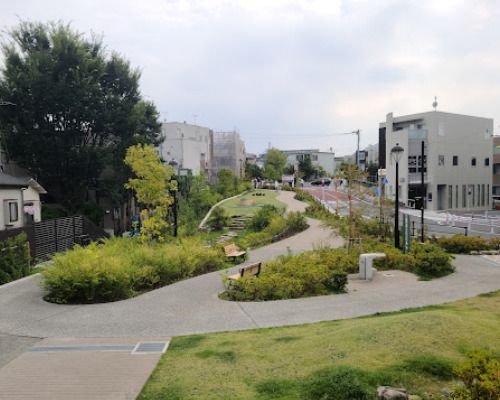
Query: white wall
{"type": "Point", "coordinates": [448, 135]}
{"type": "Point", "coordinates": [189, 145]}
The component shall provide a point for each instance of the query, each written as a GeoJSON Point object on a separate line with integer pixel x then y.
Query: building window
{"type": "Point", "coordinates": [473, 161]}
{"type": "Point", "coordinates": [455, 160]}
{"type": "Point", "coordinates": [314, 157]}
{"type": "Point", "coordinates": [496, 168]}
{"type": "Point", "coordinates": [482, 195]}
{"type": "Point", "coordinates": [478, 186]}
{"type": "Point", "coordinates": [412, 164]}
{"type": "Point", "coordinates": [486, 162]}
{"type": "Point", "coordinates": [440, 160]}
{"type": "Point", "coordinates": [464, 196]}
{"type": "Point", "coordinates": [456, 196]}
{"type": "Point", "coordinates": [11, 211]}
{"type": "Point", "coordinates": [450, 196]}
{"type": "Point", "coordinates": [488, 194]}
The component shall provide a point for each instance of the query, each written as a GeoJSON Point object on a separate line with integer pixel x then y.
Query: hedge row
{"type": "Point", "coordinates": [121, 268]}
{"type": "Point", "coordinates": [461, 244]}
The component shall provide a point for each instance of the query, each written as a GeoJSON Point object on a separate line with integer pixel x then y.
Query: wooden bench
{"type": "Point", "coordinates": [231, 250]}
{"type": "Point", "coordinates": [252, 269]}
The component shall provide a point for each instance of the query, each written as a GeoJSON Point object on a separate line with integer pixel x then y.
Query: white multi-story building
{"type": "Point", "coordinates": [189, 147]}
{"type": "Point", "coordinates": [323, 159]}
{"type": "Point", "coordinates": [457, 159]}
{"type": "Point", "coordinates": [229, 152]}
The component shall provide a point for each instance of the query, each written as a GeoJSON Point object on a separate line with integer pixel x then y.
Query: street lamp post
{"type": "Point", "coordinates": [396, 154]}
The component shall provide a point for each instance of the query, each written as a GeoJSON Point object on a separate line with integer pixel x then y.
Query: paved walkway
{"type": "Point", "coordinates": [193, 306]}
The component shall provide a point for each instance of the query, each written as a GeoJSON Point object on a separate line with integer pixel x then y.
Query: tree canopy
{"type": "Point", "coordinates": [274, 164]}
{"type": "Point", "coordinates": [77, 107]}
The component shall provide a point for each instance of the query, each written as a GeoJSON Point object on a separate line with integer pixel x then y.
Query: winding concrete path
{"type": "Point", "coordinates": [191, 306]}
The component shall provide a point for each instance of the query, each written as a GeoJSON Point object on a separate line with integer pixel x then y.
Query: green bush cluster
{"type": "Point", "coordinates": [480, 376]}
{"type": "Point", "coordinates": [14, 258]}
{"type": "Point", "coordinates": [263, 217]}
{"type": "Point", "coordinates": [278, 227]}
{"type": "Point", "coordinates": [120, 268]}
{"type": "Point", "coordinates": [425, 259]}
{"type": "Point", "coordinates": [218, 219]}
{"type": "Point", "coordinates": [308, 274]}
{"type": "Point", "coordinates": [465, 244]}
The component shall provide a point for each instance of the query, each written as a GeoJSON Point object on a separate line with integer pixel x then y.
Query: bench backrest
{"type": "Point", "coordinates": [252, 269]}
{"type": "Point", "coordinates": [230, 248]}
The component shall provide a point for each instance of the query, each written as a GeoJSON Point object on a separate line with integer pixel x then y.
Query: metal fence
{"type": "Point", "coordinates": [55, 235]}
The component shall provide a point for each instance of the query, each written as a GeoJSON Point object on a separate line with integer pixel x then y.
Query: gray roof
{"type": "Point", "coordinates": [9, 180]}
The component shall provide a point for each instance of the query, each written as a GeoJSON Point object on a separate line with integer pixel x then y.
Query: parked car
{"type": "Point", "coordinates": [321, 182]}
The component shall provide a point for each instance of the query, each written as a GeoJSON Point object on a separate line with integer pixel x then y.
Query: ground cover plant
{"type": "Point", "coordinates": [121, 268]}
{"type": "Point", "coordinates": [250, 202]}
{"type": "Point", "coordinates": [420, 349]}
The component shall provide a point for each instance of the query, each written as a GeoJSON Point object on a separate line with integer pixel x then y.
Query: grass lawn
{"type": "Point", "coordinates": [249, 205]}
{"type": "Point", "coordinates": [414, 348]}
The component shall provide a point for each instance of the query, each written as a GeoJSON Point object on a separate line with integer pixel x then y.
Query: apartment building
{"type": "Point", "coordinates": [188, 147]}
{"type": "Point", "coordinates": [496, 171]}
{"type": "Point", "coordinates": [229, 152]}
{"type": "Point", "coordinates": [323, 159]}
{"type": "Point", "coordinates": [457, 161]}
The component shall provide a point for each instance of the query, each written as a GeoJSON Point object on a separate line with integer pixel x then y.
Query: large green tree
{"type": "Point", "coordinates": [274, 164]}
{"type": "Point", "coordinates": [77, 108]}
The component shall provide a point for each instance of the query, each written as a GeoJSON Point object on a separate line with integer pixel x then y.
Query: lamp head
{"type": "Point", "coordinates": [397, 152]}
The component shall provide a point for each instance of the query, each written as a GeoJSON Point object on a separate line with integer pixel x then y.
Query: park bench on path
{"type": "Point", "coordinates": [252, 269]}
{"type": "Point", "coordinates": [231, 250]}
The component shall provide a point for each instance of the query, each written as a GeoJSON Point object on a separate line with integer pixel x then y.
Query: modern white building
{"type": "Point", "coordinates": [229, 152]}
{"type": "Point", "coordinates": [188, 147]}
{"type": "Point", "coordinates": [457, 160]}
{"type": "Point", "coordinates": [323, 159]}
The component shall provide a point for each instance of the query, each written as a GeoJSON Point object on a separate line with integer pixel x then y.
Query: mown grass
{"type": "Point", "coordinates": [235, 207]}
{"type": "Point", "coordinates": [416, 349]}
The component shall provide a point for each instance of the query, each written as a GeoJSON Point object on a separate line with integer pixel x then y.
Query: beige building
{"type": "Point", "coordinates": [457, 162]}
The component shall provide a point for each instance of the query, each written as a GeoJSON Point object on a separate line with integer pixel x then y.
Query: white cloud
{"type": "Point", "coordinates": [296, 66]}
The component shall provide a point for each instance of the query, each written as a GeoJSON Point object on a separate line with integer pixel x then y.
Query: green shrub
{"type": "Point", "coordinates": [480, 375]}
{"type": "Point", "coordinates": [295, 222]}
{"type": "Point", "coordinates": [307, 274]}
{"type": "Point", "coordinates": [431, 261]}
{"type": "Point", "coordinates": [120, 268]}
{"type": "Point", "coordinates": [463, 244]}
{"type": "Point", "coordinates": [339, 383]}
{"type": "Point", "coordinates": [218, 219]}
{"type": "Point", "coordinates": [337, 282]}
{"type": "Point", "coordinates": [262, 218]}
{"type": "Point", "coordinates": [14, 258]}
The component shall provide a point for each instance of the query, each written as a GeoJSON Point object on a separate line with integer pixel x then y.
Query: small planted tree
{"type": "Point", "coordinates": [152, 186]}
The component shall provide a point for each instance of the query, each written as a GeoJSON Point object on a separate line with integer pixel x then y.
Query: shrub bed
{"type": "Point", "coordinates": [308, 274]}
{"type": "Point", "coordinates": [121, 268]}
{"type": "Point", "coordinates": [324, 271]}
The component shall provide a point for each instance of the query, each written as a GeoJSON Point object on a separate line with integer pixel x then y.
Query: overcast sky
{"type": "Point", "coordinates": [289, 72]}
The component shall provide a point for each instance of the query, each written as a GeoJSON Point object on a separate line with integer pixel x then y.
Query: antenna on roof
{"type": "Point", "coordinates": [435, 103]}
